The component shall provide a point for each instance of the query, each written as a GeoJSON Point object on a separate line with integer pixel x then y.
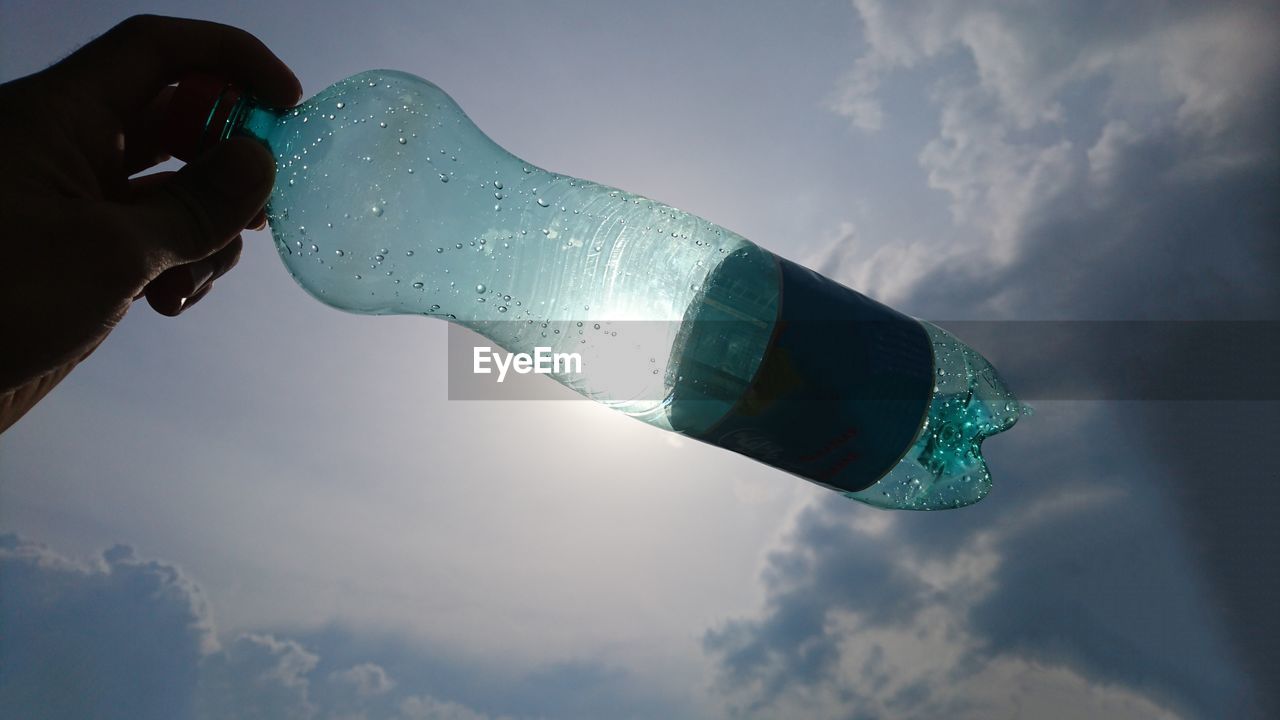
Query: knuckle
{"type": "Point", "coordinates": [191, 235]}
{"type": "Point", "coordinates": [138, 25]}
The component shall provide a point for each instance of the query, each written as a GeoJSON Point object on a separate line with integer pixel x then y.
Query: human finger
{"type": "Point", "coordinates": [126, 66]}
{"type": "Point", "coordinates": [202, 206]}
{"type": "Point", "coordinates": [171, 292]}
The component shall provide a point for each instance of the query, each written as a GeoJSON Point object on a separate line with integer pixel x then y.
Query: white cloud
{"type": "Point", "coordinates": [257, 676]}
{"type": "Point", "coordinates": [823, 650]}
{"type": "Point", "coordinates": [121, 637]}
{"type": "Point", "coordinates": [1052, 117]}
{"type": "Point", "coordinates": [425, 707]}
{"type": "Point", "coordinates": [366, 678]}
{"type": "Point", "coordinates": [116, 637]}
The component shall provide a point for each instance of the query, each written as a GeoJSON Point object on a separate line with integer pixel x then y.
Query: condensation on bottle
{"type": "Point", "coordinates": [389, 200]}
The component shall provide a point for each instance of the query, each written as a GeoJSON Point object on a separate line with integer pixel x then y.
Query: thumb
{"type": "Point", "coordinates": [206, 203]}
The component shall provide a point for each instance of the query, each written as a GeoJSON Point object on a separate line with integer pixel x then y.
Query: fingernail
{"type": "Point", "coordinates": [195, 297]}
{"type": "Point", "coordinates": [200, 273]}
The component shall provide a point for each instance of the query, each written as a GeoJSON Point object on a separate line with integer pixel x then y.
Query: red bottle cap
{"type": "Point", "coordinates": [195, 115]}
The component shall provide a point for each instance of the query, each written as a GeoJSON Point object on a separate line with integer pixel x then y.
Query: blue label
{"type": "Point", "coordinates": [841, 390]}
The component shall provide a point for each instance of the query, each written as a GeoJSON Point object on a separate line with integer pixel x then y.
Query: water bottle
{"type": "Point", "coordinates": [389, 200]}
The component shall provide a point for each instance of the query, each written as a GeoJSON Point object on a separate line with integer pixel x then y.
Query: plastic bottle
{"type": "Point", "coordinates": [389, 200]}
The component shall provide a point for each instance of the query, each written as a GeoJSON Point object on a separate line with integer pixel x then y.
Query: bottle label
{"type": "Point", "coordinates": [841, 391]}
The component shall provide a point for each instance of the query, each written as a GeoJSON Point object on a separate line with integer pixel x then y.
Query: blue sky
{"type": "Point", "coordinates": [268, 508]}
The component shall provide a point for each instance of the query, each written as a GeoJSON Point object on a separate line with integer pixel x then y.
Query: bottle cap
{"type": "Point", "coordinates": [195, 115]}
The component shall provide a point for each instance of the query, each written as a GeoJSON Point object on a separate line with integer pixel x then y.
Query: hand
{"type": "Point", "coordinates": [81, 240]}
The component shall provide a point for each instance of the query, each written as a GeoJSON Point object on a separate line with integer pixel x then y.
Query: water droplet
{"type": "Point", "coordinates": [507, 298]}
{"type": "Point", "coordinates": [408, 253]}
{"type": "Point", "coordinates": [480, 288]}
{"type": "Point", "coordinates": [402, 141]}
{"type": "Point", "coordinates": [444, 178]}
{"type": "Point", "coordinates": [382, 124]}
{"type": "Point", "coordinates": [596, 326]}
{"type": "Point", "coordinates": [542, 202]}
{"type": "Point", "coordinates": [457, 246]}
{"type": "Point", "coordinates": [417, 286]}
{"type": "Point", "coordinates": [376, 210]}
{"type": "Point", "coordinates": [502, 308]}
{"type": "Point", "coordinates": [439, 250]}
{"type": "Point", "coordinates": [497, 184]}
{"type": "Point", "coordinates": [410, 171]}
{"type": "Point", "coordinates": [341, 105]}
{"type": "Point", "coordinates": [315, 249]}
{"type": "Point", "coordinates": [527, 170]}
{"type": "Point", "coordinates": [339, 253]}
{"type": "Point", "coordinates": [379, 258]}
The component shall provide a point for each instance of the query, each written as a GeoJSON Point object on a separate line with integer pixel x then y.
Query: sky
{"type": "Point", "coordinates": [268, 508]}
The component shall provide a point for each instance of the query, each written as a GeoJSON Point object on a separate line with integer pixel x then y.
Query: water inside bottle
{"type": "Point", "coordinates": [390, 201]}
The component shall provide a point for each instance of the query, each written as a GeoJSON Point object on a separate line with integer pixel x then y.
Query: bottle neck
{"type": "Point", "coordinates": [246, 118]}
